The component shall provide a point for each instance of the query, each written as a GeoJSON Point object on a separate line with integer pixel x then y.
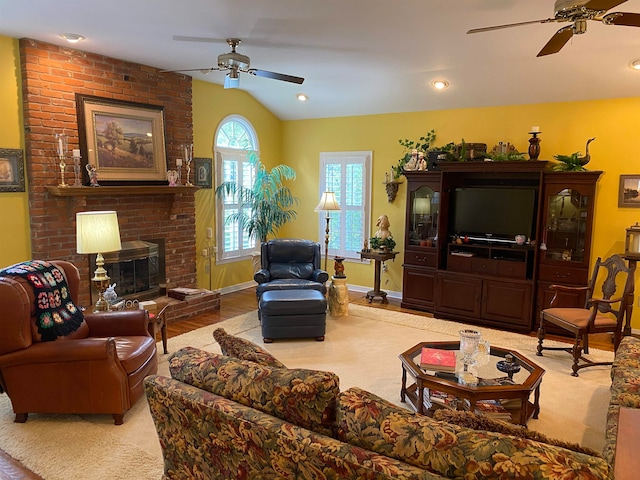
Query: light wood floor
{"type": "Point", "coordinates": [232, 305]}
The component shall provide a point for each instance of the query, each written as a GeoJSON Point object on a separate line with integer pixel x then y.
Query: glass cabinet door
{"type": "Point", "coordinates": [566, 225]}
{"type": "Point", "coordinates": [424, 203]}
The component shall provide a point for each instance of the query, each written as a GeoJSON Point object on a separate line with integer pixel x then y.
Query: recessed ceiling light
{"type": "Point", "coordinates": [635, 64]}
{"type": "Point", "coordinates": [72, 37]}
{"type": "Point", "coordinates": [440, 84]}
{"type": "Point", "coordinates": [302, 97]}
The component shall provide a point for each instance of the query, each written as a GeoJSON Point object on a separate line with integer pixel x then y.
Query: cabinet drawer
{"type": "Point", "coordinates": [562, 274]}
{"type": "Point", "coordinates": [459, 263]}
{"type": "Point", "coordinates": [483, 265]}
{"type": "Point", "coordinates": [421, 259]}
{"type": "Point", "coordinates": [512, 269]}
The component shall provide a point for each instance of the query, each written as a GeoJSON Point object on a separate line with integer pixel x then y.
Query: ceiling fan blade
{"type": "Point", "coordinates": [275, 76]}
{"type": "Point", "coordinates": [622, 18]}
{"type": "Point", "coordinates": [201, 70]}
{"type": "Point", "coordinates": [558, 41]}
{"type": "Point", "coordinates": [509, 25]}
{"type": "Point", "coordinates": [183, 38]}
{"type": "Point", "coordinates": [603, 4]}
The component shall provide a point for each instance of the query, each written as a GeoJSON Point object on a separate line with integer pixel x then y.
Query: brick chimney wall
{"type": "Point", "coordinates": [51, 76]}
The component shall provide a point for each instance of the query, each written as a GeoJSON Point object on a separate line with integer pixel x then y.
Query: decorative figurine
{"type": "Point", "coordinates": [172, 176]}
{"type": "Point", "coordinates": [383, 227]}
{"type": "Point", "coordinates": [93, 175]}
{"type": "Point", "coordinates": [412, 164]}
{"type": "Point", "coordinates": [338, 267]}
{"type": "Point", "coordinates": [422, 163]}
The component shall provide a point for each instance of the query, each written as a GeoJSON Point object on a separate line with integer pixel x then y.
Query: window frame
{"type": "Point", "coordinates": [239, 155]}
{"type": "Point", "coordinates": [345, 158]}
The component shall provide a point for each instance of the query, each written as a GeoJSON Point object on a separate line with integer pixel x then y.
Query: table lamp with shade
{"type": "Point", "coordinates": [98, 232]}
{"type": "Point", "coordinates": [327, 203]}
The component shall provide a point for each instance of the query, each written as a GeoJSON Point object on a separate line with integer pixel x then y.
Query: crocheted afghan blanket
{"type": "Point", "coordinates": [56, 314]}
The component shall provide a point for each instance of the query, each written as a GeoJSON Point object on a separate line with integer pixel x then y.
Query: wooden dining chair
{"type": "Point", "coordinates": [604, 314]}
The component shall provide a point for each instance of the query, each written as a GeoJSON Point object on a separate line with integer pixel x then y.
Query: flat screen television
{"type": "Point", "coordinates": [493, 213]}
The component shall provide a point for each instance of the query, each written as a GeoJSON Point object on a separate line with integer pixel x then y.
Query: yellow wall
{"type": "Point", "coordinates": [14, 206]}
{"type": "Point", "coordinates": [565, 129]}
{"type": "Point", "coordinates": [211, 104]}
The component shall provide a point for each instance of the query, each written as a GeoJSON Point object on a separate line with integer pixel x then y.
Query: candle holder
{"type": "Point", "coordinates": [534, 145]}
{"type": "Point", "coordinates": [77, 171]}
{"type": "Point", "coordinates": [62, 141]}
{"type": "Point", "coordinates": [188, 157]}
{"type": "Point", "coordinates": [179, 170]}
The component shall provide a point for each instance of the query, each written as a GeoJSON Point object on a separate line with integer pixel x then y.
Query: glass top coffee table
{"type": "Point", "coordinates": [498, 393]}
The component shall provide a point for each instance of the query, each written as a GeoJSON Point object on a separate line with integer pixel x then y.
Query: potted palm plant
{"type": "Point", "coordinates": [267, 204]}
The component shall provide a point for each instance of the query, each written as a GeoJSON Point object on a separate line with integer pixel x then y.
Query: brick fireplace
{"type": "Point", "coordinates": [51, 77]}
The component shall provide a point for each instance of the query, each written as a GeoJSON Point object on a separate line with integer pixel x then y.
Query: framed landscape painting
{"type": "Point", "coordinates": [124, 141]}
{"type": "Point", "coordinates": [629, 191]}
{"type": "Point", "coordinates": [11, 170]}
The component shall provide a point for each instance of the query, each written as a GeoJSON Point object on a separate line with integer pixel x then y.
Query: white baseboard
{"type": "Point", "coordinates": [237, 287]}
{"type": "Point", "coordinates": [353, 288]}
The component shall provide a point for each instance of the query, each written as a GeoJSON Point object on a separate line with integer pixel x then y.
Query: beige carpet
{"type": "Point", "coordinates": [362, 349]}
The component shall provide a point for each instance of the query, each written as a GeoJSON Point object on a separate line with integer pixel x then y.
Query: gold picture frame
{"type": "Point", "coordinates": [629, 191]}
{"type": "Point", "coordinates": [124, 141]}
{"type": "Point", "coordinates": [11, 170]}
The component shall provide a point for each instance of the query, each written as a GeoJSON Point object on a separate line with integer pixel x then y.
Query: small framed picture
{"type": "Point", "coordinates": [202, 172]}
{"type": "Point", "coordinates": [629, 191]}
{"type": "Point", "coordinates": [11, 170]}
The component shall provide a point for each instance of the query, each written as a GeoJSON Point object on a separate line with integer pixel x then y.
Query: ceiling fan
{"type": "Point", "coordinates": [234, 63]}
{"type": "Point", "coordinates": [577, 12]}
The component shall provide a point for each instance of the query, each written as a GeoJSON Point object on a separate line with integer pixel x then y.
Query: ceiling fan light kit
{"type": "Point", "coordinates": [635, 64]}
{"type": "Point", "coordinates": [440, 84]}
{"type": "Point", "coordinates": [578, 12]}
{"type": "Point", "coordinates": [234, 63]}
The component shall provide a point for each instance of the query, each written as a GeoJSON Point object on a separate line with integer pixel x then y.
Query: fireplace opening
{"type": "Point", "coordinates": [138, 270]}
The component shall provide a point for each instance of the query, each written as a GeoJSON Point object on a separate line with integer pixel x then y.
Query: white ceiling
{"type": "Point", "coordinates": [358, 57]}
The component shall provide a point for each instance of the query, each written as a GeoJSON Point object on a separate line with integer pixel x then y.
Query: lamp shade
{"type": "Point", "coordinates": [422, 205]}
{"type": "Point", "coordinates": [327, 202]}
{"type": "Point", "coordinates": [97, 232]}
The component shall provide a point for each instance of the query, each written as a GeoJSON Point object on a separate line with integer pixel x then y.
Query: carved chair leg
{"type": "Point", "coordinates": [585, 343]}
{"type": "Point", "coordinates": [118, 418]}
{"type": "Point", "coordinates": [577, 353]}
{"type": "Point", "coordinates": [541, 334]}
{"type": "Point", "coordinates": [21, 417]}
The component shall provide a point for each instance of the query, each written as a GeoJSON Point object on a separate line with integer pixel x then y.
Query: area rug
{"type": "Point", "coordinates": [362, 348]}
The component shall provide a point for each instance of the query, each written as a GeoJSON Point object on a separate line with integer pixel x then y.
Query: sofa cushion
{"type": "Point", "coordinates": [306, 398]}
{"type": "Point", "coordinates": [368, 421]}
{"type": "Point", "coordinates": [481, 422]}
{"type": "Point", "coordinates": [244, 349]}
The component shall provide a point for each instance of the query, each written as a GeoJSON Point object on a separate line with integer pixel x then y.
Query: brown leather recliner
{"type": "Point", "coordinates": [97, 369]}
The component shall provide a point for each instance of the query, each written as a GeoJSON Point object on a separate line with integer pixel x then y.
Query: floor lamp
{"type": "Point", "coordinates": [327, 203]}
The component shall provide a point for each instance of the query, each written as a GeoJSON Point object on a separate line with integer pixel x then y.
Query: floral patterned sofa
{"type": "Point", "coordinates": [625, 390]}
{"type": "Point", "coordinates": [245, 415]}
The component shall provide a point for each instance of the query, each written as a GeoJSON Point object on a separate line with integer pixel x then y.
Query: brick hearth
{"type": "Point", "coordinates": [51, 77]}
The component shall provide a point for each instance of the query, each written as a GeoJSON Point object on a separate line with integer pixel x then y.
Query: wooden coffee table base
{"type": "Point", "coordinates": [417, 393]}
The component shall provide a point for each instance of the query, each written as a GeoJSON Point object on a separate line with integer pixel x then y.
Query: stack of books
{"type": "Point", "coordinates": [438, 360]}
{"type": "Point", "coordinates": [185, 293]}
{"type": "Point", "coordinates": [492, 409]}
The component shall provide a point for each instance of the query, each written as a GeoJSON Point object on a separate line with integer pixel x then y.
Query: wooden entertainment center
{"type": "Point", "coordinates": [496, 281]}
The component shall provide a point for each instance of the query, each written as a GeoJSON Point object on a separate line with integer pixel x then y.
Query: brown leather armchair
{"type": "Point", "coordinates": [97, 369]}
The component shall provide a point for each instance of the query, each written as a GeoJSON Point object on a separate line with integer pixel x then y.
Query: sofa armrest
{"type": "Point", "coordinates": [320, 276]}
{"type": "Point", "coordinates": [262, 276]}
{"type": "Point", "coordinates": [121, 323]}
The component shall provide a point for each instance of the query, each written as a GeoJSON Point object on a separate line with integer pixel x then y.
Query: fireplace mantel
{"type": "Point", "coordinates": [107, 191]}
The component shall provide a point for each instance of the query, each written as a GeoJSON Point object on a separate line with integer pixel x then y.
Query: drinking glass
{"type": "Point", "coordinates": [469, 340]}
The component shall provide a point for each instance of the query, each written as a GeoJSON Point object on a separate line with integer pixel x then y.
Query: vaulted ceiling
{"type": "Point", "coordinates": [358, 57]}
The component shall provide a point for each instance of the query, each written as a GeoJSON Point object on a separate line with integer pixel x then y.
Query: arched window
{"type": "Point", "coordinates": [234, 140]}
